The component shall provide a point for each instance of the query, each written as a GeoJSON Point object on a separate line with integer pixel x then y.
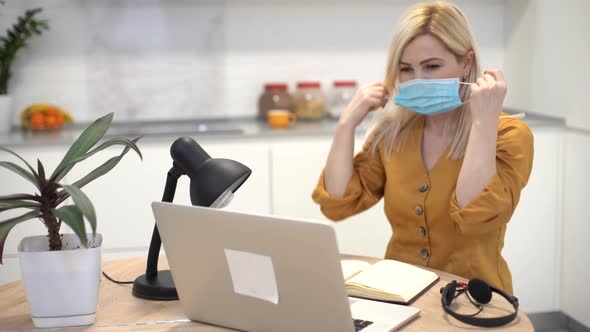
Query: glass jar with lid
{"type": "Point", "coordinates": [340, 96]}
{"type": "Point", "coordinates": [274, 97]}
{"type": "Point", "coordinates": [310, 102]}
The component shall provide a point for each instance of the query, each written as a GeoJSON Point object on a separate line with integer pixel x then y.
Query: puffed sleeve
{"type": "Point", "coordinates": [494, 206]}
{"type": "Point", "coordinates": [364, 189]}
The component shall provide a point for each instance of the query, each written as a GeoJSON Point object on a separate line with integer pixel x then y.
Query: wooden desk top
{"type": "Point", "coordinates": [119, 310]}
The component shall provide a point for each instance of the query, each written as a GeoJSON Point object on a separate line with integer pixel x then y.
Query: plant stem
{"type": "Point", "coordinates": [53, 230]}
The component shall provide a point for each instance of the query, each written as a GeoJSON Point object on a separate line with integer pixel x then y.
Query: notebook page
{"type": "Point", "coordinates": [350, 267]}
{"type": "Point", "coordinates": [396, 278]}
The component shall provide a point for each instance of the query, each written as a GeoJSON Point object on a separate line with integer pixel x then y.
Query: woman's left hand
{"type": "Point", "coordinates": [487, 96]}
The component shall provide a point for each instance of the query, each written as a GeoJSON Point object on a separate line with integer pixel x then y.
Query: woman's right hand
{"type": "Point", "coordinates": [368, 98]}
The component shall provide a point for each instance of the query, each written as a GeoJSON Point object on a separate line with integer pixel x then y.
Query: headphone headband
{"type": "Point", "coordinates": [483, 293]}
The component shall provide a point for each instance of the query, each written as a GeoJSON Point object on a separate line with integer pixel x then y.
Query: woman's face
{"type": "Point", "coordinates": [427, 57]}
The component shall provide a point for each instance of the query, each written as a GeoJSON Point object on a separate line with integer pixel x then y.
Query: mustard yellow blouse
{"type": "Point", "coordinates": [429, 227]}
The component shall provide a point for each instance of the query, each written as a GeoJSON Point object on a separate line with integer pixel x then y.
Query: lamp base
{"type": "Point", "coordinates": [160, 288]}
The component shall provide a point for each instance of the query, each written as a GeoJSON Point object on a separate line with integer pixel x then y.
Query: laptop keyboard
{"type": "Point", "coordinates": [360, 324]}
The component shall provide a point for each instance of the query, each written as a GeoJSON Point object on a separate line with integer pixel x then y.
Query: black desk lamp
{"type": "Point", "coordinates": [213, 181]}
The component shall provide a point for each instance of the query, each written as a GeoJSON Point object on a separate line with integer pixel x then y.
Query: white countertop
{"type": "Point", "coordinates": [227, 128]}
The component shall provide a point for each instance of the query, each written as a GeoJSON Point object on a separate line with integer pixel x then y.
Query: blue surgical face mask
{"type": "Point", "coordinates": [429, 96]}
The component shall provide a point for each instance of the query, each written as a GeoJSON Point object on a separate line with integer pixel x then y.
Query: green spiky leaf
{"type": "Point", "coordinates": [20, 197]}
{"type": "Point", "coordinates": [17, 204]}
{"type": "Point", "coordinates": [21, 158]}
{"type": "Point", "coordinates": [20, 171]}
{"type": "Point", "coordinates": [114, 141]}
{"type": "Point", "coordinates": [40, 169]}
{"type": "Point", "coordinates": [72, 216]}
{"type": "Point", "coordinates": [85, 142]}
{"type": "Point", "coordinates": [102, 169]}
{"type": "Point", "coordinates": [83, 203]}
{"type": "Point", "coordinates": [7, 225]}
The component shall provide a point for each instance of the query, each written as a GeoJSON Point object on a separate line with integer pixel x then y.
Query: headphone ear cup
{"type": "Point", "coordinates": [450, 294]}
{"type": "Point", "coordinates": [480, 290]}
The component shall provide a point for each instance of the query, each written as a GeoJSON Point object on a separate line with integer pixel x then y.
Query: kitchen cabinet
{"type": "Point", "coordinates": [296, 166]}
{"type": "Point", "coordinates": [10, 269]}
{"type": "Point", "coordinates": [533, 238]}
{"type": "Point", "coordinates": [575, 252]}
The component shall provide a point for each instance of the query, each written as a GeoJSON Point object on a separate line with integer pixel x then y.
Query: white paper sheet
{"type": "Point", "coordinates": [252, 275]}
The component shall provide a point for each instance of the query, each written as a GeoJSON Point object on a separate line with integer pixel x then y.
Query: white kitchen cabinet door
{"type": "Point", "coordinates": [532, 243]}
{"type": "Point", "coordinates": [9, 270]}
{"type": "Point", "coordinates": [296, 166]}
{"type": "Point", "coordinates": [123, 197]}
{"type": "Point", "coordinates": [575, 256]}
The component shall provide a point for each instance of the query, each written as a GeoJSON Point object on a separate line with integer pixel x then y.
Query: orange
{"type": "Point", "coordinates": [37, 121]}
{"type": "Point", "coordinates": [51, 122]}
{"type": "Point", "coordinates": [51, 111]}
{"type": "Point", "coordinates": [59, 120]}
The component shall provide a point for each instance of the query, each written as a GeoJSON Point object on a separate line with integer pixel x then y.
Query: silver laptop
{"type": "Point", "coordinates": [264, 273]}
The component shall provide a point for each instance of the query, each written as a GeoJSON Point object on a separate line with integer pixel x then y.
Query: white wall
{"type": "Point", "coordinates": [547, 47]}
{"type": "Point", "coordinates": [563, 33]}
{"type": "Point", "coordinates": [575, 271]}
{"type": "Point", "coordinates": [140, 59]}
{"type": "Point", "coordinates": [153, 59]}
{"type": "Point", "coordinates": [519, 32]}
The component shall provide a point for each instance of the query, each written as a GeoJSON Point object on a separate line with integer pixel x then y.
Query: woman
{"type": "Point", "coordinates": [448, 163]}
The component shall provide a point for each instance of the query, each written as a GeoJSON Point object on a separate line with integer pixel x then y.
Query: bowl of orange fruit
{"type": "Point", "coordinates": [44, 117]}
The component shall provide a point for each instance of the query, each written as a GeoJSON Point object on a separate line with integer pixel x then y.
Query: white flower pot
{"type": "Point", "coordinates": [5, 114]}
{"type": "Point", "coordinates": [61, 286]}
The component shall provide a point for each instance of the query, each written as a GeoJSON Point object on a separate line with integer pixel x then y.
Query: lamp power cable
{"type": "Point", "coordinates": [116, 281]}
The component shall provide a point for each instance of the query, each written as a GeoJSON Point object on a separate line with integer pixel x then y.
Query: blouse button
{"type": "Point", "coordinates": [422, 231]}
{"type": "Point", "coordinates": [419, 209]}
{"type": "Point", "coordinates": [423, 187]}
{"type": "Point", "coordinates": [424, 254]}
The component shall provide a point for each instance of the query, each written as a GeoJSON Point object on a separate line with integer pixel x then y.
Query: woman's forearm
{"type": "Point", "coordinates": [339, 166]}
{"type": "Point", "coordinates": [479, 164]}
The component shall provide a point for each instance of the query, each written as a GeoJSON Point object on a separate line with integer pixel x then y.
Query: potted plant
{"type": "Point", "coordinates": [16, 38]}
{"type": "Point", "coordinates": [61, 273]}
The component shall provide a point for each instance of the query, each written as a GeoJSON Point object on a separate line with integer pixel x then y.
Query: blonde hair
{"type": "Point", "coordinates": [448, 23]}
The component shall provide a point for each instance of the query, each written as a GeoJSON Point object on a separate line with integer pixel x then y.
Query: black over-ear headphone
{"type": "Point", "coordinates": [481, 292]}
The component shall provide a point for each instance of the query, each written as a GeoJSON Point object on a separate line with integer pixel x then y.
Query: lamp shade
{"type": "Point", "coordinates": [214, 178]}
{"type": "Point", "coordinates": [210, 178]}
{"type": "Point", "coordinates": [188, 155]}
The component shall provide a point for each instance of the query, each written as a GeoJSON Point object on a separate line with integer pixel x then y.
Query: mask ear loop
{"type": "Point", "coordinates": [520, 115]}
{"type": "Point", "coordinates": [465, 83]}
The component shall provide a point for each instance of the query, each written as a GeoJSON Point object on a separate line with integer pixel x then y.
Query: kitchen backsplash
{"type": "Point", "coordinates": [178, 59]}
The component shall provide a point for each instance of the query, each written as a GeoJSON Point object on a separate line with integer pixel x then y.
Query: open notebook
{"type": "Point", "coordinates": [386, 280]}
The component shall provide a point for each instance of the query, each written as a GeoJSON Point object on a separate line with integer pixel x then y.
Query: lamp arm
{"type": "Point", "coordinates": [154, 252]}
